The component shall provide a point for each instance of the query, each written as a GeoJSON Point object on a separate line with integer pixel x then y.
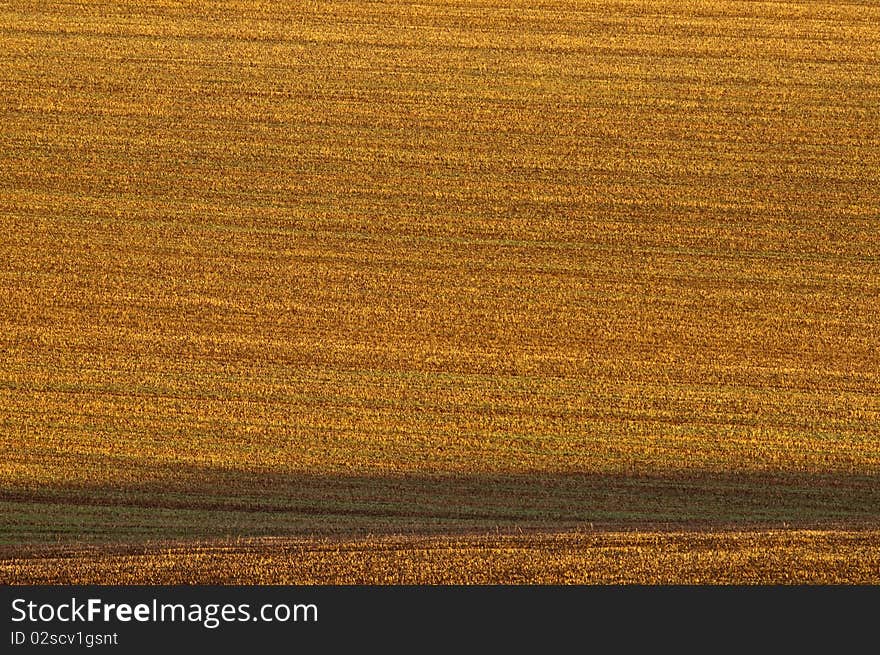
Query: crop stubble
{"type": "Point", "coordinates": [348, 268]}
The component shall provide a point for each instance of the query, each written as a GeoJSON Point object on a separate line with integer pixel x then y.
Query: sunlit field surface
{"type": "Point", "coordinates": [645, 558]}
{"type": "Point", "coordinates": [456, 291]}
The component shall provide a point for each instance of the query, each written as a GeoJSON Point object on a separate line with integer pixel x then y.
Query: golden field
{"type": "Point", "coordinates": [349, 272]}
{"type": "Point", "coordinates": [644, 558]}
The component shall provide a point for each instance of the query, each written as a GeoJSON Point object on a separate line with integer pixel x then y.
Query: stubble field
{"type": "Point", "coordinates": [564, 291]}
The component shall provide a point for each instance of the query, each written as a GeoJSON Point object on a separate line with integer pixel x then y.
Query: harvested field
{"type": "Point", "coordinates": [338, 269]}
{"type": "Point", "coordinates": [790, 557]}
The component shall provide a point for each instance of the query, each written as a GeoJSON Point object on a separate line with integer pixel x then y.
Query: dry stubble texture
{"type": "Point", "coordinates": [744, 557]}
{"type": "Point", "coordinates": [272, 268]}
